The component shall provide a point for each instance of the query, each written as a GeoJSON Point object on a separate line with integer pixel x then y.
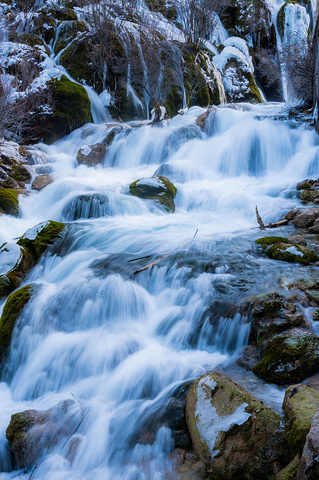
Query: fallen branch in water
{"type": "Point", "coordinates": [35, 467]}
{"type": "Point", "coordinates": [259, 220]}
{"type": "Point", "coordinates": [150, 265]}
{"type": "Point", "coordinates": [270, 225]}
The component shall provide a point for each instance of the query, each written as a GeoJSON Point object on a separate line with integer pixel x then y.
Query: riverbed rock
{"type": "Point", "coordinates": [233, 433]}
{"type": "Point", "coordinates": [87, 206]}
{"type": "Point", "coordinates": [309, 465]}
{"type": "Point", "coordinates": [288, 252]}
{"type": "Point", "coordinates": [11, 311]}
{"type": "Point", "coordinates": [300, 405]}
{"type": "Point", "coordinates": [157, 188]}
{"type": "Point", "coordinates": [15, 263]}
{"type": "Point", "coordinates": [37, 239]}
{"type": "Point", "coordinates": [306, 218]}
{"type": "Point", "coordinates": [289, 357]}
{"type": "Point", "coordinates": [92, 155]}
{"type": "Point", "coordinates": [297, 240]}
{"type": "Point", "coordinates": [32, 433]}
{"type": "Point", "coordinates": [41, 181]}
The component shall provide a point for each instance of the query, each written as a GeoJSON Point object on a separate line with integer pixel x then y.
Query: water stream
{"type": "Point", "coordinates": [121, 346]}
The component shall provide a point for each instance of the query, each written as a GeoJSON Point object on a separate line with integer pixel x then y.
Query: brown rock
{"type": "Point", "coordinates": [41, 181]}
{"type": "Point", "coordinates": [306, 218]}
{"type": "Point", "coordinates": [291, 214]}
{"type": "Point", "coordinates": [92, 155]}
{"type": "Point", "coordinates": [32, 433]}
{"type": "Point", "coordinates": [297, 240]}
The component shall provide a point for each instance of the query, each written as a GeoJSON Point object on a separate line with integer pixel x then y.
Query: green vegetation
{"type": "Point", "coordinates": [72, 107]}
{"type": "Point", "coordinates": [47, 234]}
{"type": "Point", "coordinates": [9, 202]}
{"type": "Point", "coordinates": [11, 312]}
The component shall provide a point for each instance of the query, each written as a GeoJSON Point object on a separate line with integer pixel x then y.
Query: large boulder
{"type": "Point", "coordinates": [37, 239]}
{"type": "Point", "coordinates": [300, 405]}
{"type": "Point", "coordinates": [11, 311]}
{"type": "Point", "coordinates": [32, 433]}
{"type": "Point", "coordinates": [309, 465]}
{"type": "Point", "coordinates": [234, 434]}
{"type": "Point", "coordinates": [289, 357]}
{"type": "Point", "coordinates": [91, 155]}
{"type": "Point", "coordinates": [156, 188]}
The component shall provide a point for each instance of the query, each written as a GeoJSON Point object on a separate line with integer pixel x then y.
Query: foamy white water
{"type": "Point", "coordinates": [121, 345]}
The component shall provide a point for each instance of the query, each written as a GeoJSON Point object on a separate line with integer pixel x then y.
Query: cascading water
{"type": "Point", "coordinates": [121, 345]}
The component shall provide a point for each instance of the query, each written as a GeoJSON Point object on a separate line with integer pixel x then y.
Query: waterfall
{"type": "Point", "coordinates": [120, 346]}
{"type": "Point", "coordinates": [295, 32]}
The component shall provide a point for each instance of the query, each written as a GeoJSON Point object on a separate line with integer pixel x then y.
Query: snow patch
{"type": "Point", "coordinates": [294, 251]}
{"type": "Point", "coordinates": [208, 422]}
{"type": "Point", "coordinates": [10, 256]}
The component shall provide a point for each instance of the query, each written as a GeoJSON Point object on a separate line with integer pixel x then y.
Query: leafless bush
{"type": "Point", "coordinates": [199, 18]}
{"type": "Point", "coordinates": [298, 61]}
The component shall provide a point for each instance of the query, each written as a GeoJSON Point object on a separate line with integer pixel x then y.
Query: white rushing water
{"type": "Point", "coordinates": [120, 345]}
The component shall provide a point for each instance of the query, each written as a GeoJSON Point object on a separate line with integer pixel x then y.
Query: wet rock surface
{"type": "Point", "coordinates": [41, 181]}
{"type": "Point", "coordinates": [33, 433]}
{"type": "Point", "coordinates": [234, 434]}
{"type": "Point", "coordinates": [92, 155]}
{"type": "Point", "coordinates": [156, 188]}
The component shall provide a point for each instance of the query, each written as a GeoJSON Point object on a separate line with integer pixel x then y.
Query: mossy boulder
{"type": "Point", "coordinates": [11, 311]}
{"type": "Point", "coordinates": [233, 433]}
{"type": "Point", "coordinates": [289, 357]}
{"type": "Point", "coordinates": [9, 202]}
{"type": "Point", "coordinates": [37, 239]}
{"type": "Point", "coordinates": [287, 252]}
{"type": "Point", "coordinates": [266, 242]}
{"type": "Point", "coordinates": [33, 433]}
{"type": "Point", "coordinates": [92, 155]}
{"type": "Point", "coordinates": [157, 188]}
{"type": "Point", "coordinates": [300, 404]}
{"type": "Point", "coordinates": [72, 108]}
{"type": "Point", "coordinates": [15, 263]}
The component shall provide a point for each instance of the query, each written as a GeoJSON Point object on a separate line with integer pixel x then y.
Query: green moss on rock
{"type": "Point", "coordinates": [289, 357]}
{"type": "Point", "coordinates": [9, 202]}
{"type": "Point", "coordinates": [40, 237]}
{"type": "Point", "coordinates": [238, 448]}
{"type": "Point", "coordinates": [292, 253]}
{"type": "Point", "coordinates": [265, 242]}
{"type": "Point", "coordinates": [157, 188]}
{"type": "Point", "coordinates": [72, 107]}
{"type": "Point", "coordinates": [300, 405]}
{"type": "Point", "coordinates": [11, 312]}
